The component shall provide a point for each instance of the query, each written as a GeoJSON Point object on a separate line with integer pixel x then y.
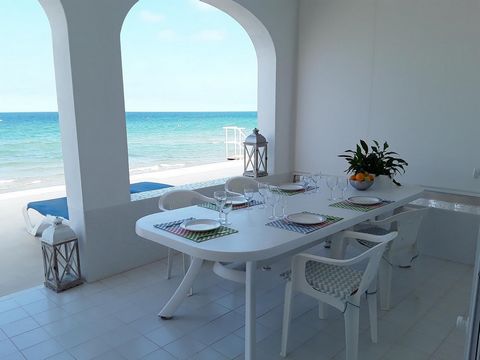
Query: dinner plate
{"type": "Point", "coordinates": [364, 200]}
{"type": "Point", "coordinates": [239, 200]}
{"type": "Point", "coordinates": [200, 225]}
{"type": "Point", "coordinates": [306, 218]}
{"type": "Point", "coordinates": [290, 187]}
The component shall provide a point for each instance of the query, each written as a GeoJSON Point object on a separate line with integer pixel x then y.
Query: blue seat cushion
{"type": "Point", "coordinates": [59, 207]}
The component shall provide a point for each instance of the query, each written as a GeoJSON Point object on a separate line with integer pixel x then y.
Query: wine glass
{"type": "Point", "coordinates": [316, 178]}
{"type": "Point", "coordinates": [304, 181]}
{"type": "Point", "coordinates": [262, 190]}
{"type": "Point", "coordinates": [272, 195]}
{"type": "Point", "coordinates": [227, 208]}
{"type": "Point", "coordinates": [248, 192]}
{"type": "Point", "coordinates": [342, 185]}
{"type": "Point", "coordinates": [220, 198]}
{"type": "Point", "coordinates": [332, 182]}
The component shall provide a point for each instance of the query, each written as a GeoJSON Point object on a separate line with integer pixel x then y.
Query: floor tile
{"type": "Point", "coordinates": [185, 347]}
{"type": "Point", "coordinates": [43, 350]}
{"type": "Point", "coordinates": [30, 338]}
{"type": "Point", "coordinates": [136, 348]}
{"type": "Point", "coordinates": [20, 326]}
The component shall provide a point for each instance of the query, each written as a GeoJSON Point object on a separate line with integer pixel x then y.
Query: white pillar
{"type": "Point", "coordinates": [86, 45]}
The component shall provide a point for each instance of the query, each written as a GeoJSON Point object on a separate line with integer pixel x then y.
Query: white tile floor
{"type": "Point", "coordinates": [117, 319]}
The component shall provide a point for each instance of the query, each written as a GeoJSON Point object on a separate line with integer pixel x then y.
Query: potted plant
{"type": "Point", "coordinates": [377, 160]}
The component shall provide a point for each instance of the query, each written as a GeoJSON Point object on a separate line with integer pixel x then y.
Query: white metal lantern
{"type": "Point", "coordinates": [61, 260]}
{"type": "Point", "coordinates": [255, 155]}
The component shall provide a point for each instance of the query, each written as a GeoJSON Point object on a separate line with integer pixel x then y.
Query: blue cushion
{"type": "Point", "coordinates": [147, 186]}
{"type": "Point", "coordinates": [59, 207]}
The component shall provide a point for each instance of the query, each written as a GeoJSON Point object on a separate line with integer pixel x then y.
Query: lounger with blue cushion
{"type": "Point", "coordinates": [59, 207]}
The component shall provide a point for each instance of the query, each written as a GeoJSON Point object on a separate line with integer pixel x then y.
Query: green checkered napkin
{"type": "Point", "coordinates": [174, 227]}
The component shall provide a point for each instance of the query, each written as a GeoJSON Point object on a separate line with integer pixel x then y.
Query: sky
{"type": "Point", "coordinates": [177, 55]}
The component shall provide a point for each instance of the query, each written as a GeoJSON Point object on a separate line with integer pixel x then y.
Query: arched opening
{"type": "Point", "coordinates": [30, 151]}
{"type": "Point", "coordinates": [190, 69]}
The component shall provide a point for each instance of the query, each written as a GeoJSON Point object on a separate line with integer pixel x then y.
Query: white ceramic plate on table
{"type": "Point", "coordinates": [306, 218]}
{"type": "Point", "coordinates": [290, 187]}
{"type": "Point", "coordinates": [200, 225]}
{"type": "Point", "coordinates": [364, 200]}
{"type": "Point", "coordinates": [238, 200]}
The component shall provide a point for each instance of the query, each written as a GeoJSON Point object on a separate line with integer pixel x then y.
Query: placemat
{"type": "Point", "coordinates": [303, 229]}
{"type": "Point", "coordinates": [345, 204]}
{"type": "Point", "coordinates": [175, 228]}
{"type": "Point", "coordinates": [212, 206]}
{"type": "Point", "coordinates": [296, 192]}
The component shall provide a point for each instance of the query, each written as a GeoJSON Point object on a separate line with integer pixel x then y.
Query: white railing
{"type": "Point", "coordinates": [234, 138]}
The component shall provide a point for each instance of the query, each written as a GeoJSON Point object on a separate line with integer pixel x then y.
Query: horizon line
{"type": "Point", "coordinates": [136, 111]}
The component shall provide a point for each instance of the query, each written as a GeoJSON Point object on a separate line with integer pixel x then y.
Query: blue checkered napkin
{"type": "Point", "coordinates": [303, 229]}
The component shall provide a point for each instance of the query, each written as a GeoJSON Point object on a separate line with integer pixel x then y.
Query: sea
{"type": "Point", "coordinates": [31, 154]}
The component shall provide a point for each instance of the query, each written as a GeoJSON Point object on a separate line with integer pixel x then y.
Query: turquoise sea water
{"type": "Point", "coordinates": [31, 156]}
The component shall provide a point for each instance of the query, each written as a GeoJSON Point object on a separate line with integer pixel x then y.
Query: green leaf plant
{"type": "Point", "coordinates": [376, 159]}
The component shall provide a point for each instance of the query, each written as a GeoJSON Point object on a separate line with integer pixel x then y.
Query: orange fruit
{"type": "Point", "coordinates": [360, 177]}
{"type": "Point", "coordinates": [371, 177]}
{"type": "Point", "coordinates": [352, 177]}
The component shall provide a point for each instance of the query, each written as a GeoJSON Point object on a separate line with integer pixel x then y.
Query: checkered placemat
{"type": "Point", "coordinates": [175, 228]}
{"type": "Point", "coordinates": [304, 229]}
{"type": "Point", "coordinates": [235, 207]}
{"type": "Point", "coordinates": [345, 204]}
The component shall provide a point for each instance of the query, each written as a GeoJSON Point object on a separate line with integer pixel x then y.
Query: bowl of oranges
{"type": "Point", "coordinates": [362, 180]}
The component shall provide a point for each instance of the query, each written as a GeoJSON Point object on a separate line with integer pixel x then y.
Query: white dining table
{"type": "Point", "coordinates": [255, 243]}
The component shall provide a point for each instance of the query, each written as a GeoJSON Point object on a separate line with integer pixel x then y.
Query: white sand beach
{"type": "Point", "coordinates": [21, 264]}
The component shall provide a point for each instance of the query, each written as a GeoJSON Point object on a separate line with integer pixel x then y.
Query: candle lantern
{"type": "Point", "coordinates": [255, 155]}
{"type": "Point", "coordinates": [61, 261]}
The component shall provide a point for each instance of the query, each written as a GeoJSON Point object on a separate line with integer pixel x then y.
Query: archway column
{"type": "Point", "coordinates": [87, 55]}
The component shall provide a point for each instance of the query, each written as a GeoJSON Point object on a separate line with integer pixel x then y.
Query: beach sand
{"type": "Point", "coordinates": [21, 264]}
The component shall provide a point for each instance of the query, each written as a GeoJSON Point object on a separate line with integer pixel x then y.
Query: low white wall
{"type": "Point", "coordinates": [405, 71]}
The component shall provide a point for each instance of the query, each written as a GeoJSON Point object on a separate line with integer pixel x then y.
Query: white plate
{"type": "Point", "coordinates": [364, 200]}
{"type": "Point", "coordinates": [306, 218]}
{"type": "Point", "coordinates": [290, 187]}
{"type": "Point", "coordinates": [239, 200]}
{"type": "Point", "coordinates": [200, 225]}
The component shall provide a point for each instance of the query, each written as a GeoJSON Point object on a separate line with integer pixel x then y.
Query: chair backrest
{"type": "Point", "coordinates": [407, 223]}
{"type": "Point", "coordinates": [237, 184]}
{"type": "Point", "coordinates": [372, 256]}
{"type": "Point", "coordinates": [176, 199]}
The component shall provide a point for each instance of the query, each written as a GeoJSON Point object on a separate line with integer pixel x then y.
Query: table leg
{"type": "Point", "coordinates": [182, 290]}
{"type": "Point", "coordinates": [250, 314]}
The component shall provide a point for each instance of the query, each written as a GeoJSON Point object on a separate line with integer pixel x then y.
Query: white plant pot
{"type": "Point", "coordinates": [383, 182]}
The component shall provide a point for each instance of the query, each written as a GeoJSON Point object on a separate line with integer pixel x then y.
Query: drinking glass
{"type": "Point", "coordinates": [342, 185]}
{"type": "Point", "coordinates": [280, 204]}
{"type": "Point", "coordinates": [272, 195]}
{"type": "Point", "coordinates": [262, 190]}
{"type": "Point", "coordinates": [220, 198]}
{"type": "Point", "coordinates": [332, 182]}
{"type": "Point", "coordinates": [317, 178]}
{"type": "Point", "coordinates": [305, 181]}
{"type": "Point", "coordinates": [248, 192]}
{"type": "Point", "coordinates": [227, 207]}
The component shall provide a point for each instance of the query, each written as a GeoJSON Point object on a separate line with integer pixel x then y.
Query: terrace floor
{"type": "Point", "coordinates": [116, 318]}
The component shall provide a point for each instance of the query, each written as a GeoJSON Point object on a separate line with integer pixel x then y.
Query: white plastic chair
{"type": "Point", "coordinates": [176, 199]}
{"type": "Point", "coordinates": [237, 184]}
{"type": "Point", "coordinates": [401, 251]}
{"type": "Point", "coordinates": [336, 283]}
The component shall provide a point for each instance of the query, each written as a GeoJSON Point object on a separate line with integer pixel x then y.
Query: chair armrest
{"type": "Point", "coordinates": [369, 237]}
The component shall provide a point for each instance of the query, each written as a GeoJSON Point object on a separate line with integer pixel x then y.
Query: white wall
{"type": "Point", "coordinates": [405, 71]}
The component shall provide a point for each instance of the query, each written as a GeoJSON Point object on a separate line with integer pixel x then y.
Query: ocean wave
{"type": "Point", "coordinates": [35, 182]}
{"type": "Point", "coordinates": [8, 181]}
{"type": "Point", "coordinates": [145, 169]}
{"type": "Point", "coordinates": [172, 165]}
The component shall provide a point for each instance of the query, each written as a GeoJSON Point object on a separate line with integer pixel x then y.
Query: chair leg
{"type": "Point", "coordinates": [352, 318]}
{"type": "Point", "coordinates": [338, 248]}
{"type": "Point", "coordinates": [385, 280]}
{"type": "Point", "coordinates": [322, 310]}
{"type": "Point", "coordinates": [372, 313]}
{"type": "Point", "coordinates": [286, 317]}
{"type": "Point", "coordinates": [169, 263]}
